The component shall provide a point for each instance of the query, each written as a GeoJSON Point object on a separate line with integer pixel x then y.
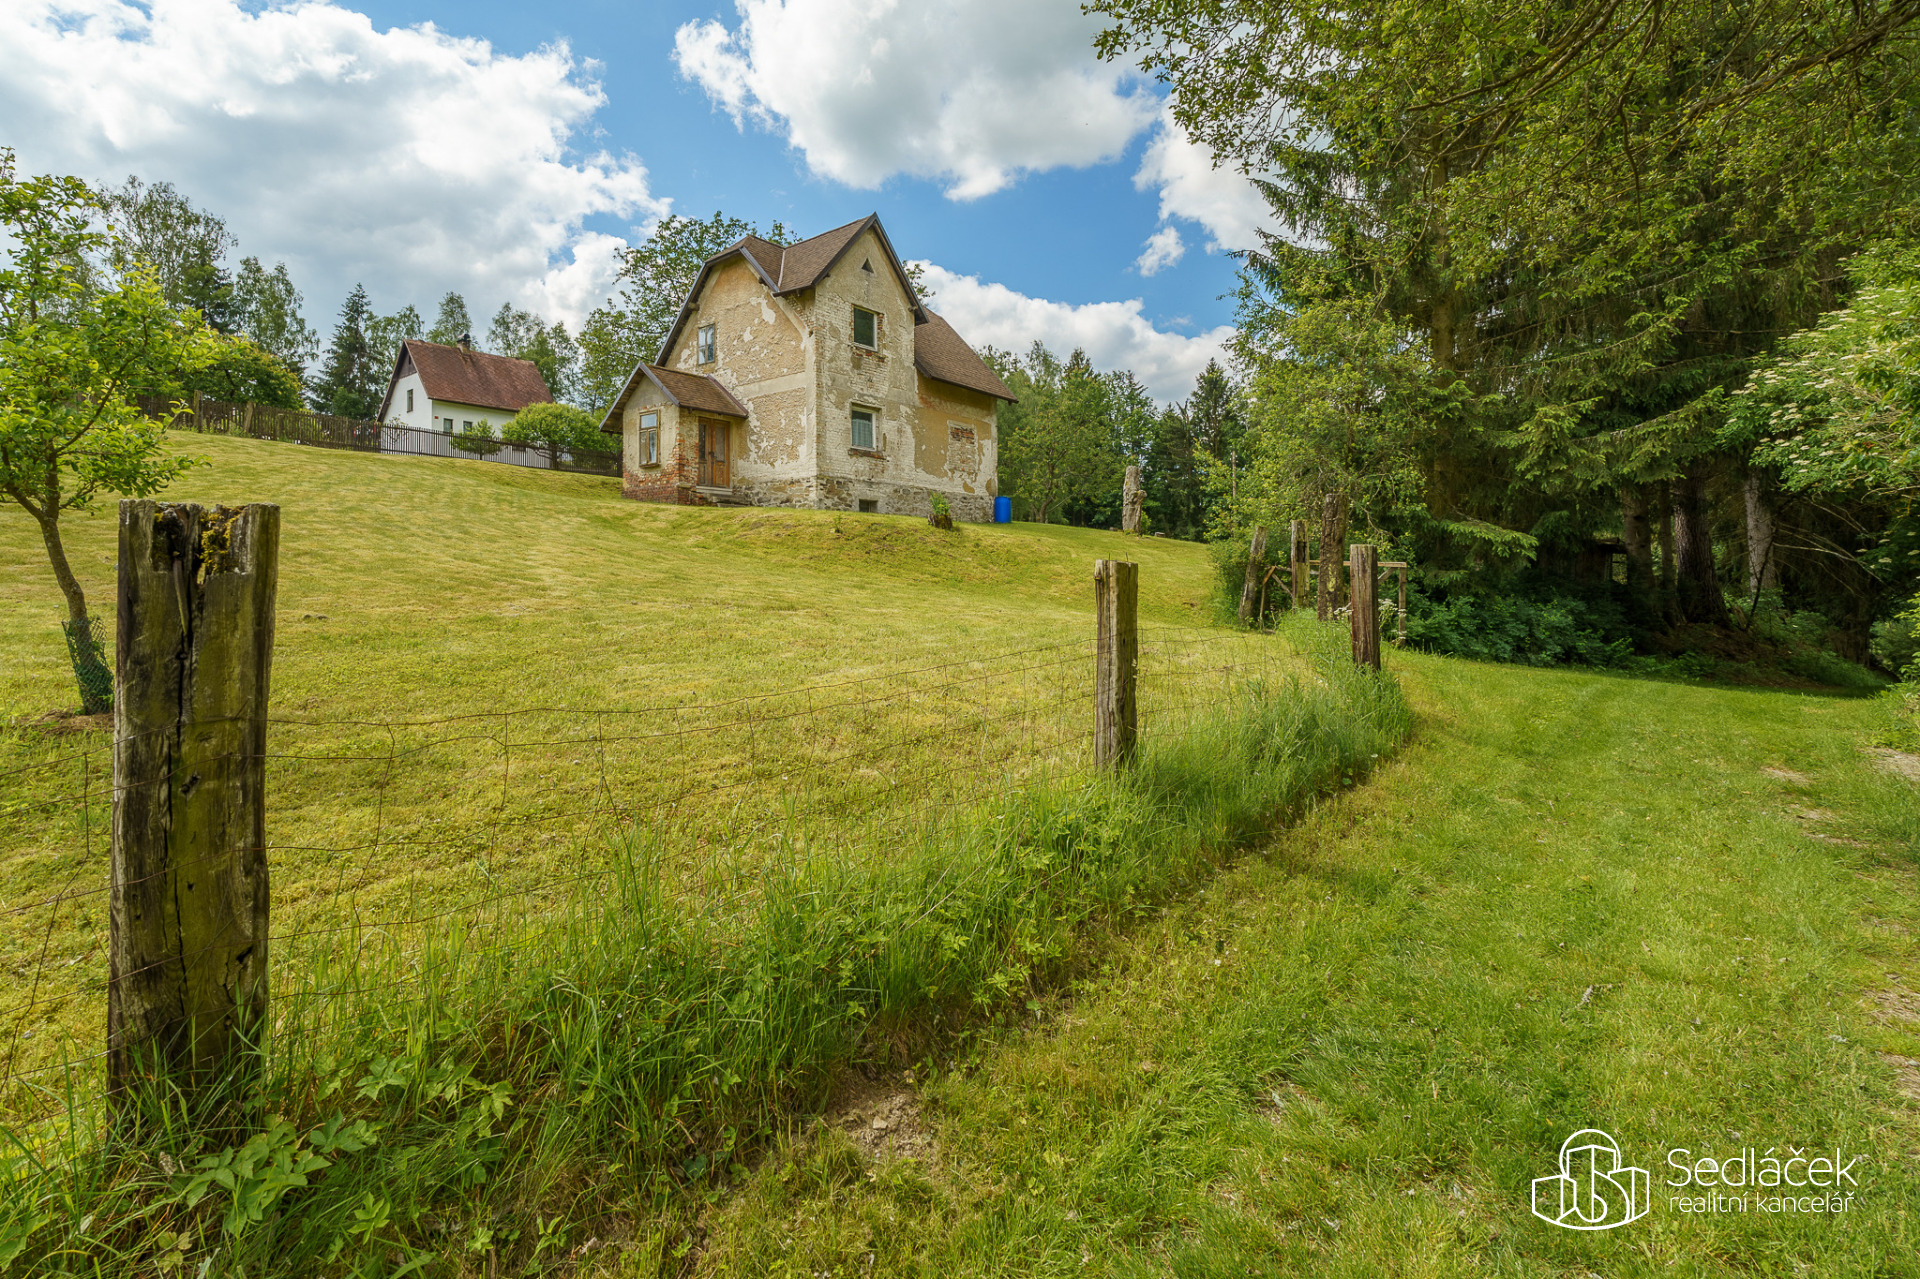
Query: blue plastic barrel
{"type": "Point", "coordinates": [1003, 510]}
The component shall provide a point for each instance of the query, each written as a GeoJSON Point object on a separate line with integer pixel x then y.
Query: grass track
{"type": "Point", "coordinates": [1578, 900]}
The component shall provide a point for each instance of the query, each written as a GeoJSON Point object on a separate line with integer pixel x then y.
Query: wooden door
{"type": "Point", "coordinates": [714, 469]}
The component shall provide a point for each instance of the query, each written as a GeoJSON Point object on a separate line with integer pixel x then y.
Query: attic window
{"type": "Point", "coordinates": [867, 266]}
{"type": "Point", "coordinates": [866, 327]}
{"type": "Point", "coordinates": [706, 344]}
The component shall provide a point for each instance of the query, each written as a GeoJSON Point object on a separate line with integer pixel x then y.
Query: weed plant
{"type": "Point", "coordinates": [490, 1103]}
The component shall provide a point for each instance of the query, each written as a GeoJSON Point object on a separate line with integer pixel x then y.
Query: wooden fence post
{"type": "Point", "coordinates": [1363, 567]}
{"type": "Point", "coordinates": [1324, 594]}
{"type": "Point", "coordinates": [1133, 499]}
{"type": "Point", "coordinates": [1297, 560]}
{"type": "Point", "coordinates": [187, 986]}
{"type": "Point", "coordinates": [1248, 589]}
{"type": "Point", "coordinates": [1116, 589]}
{"type": "Point", "coordinates": [1400, 614]}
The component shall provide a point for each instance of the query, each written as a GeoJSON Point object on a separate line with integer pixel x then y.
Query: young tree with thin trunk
{"type": "Point", "coordinates": [71, 358]}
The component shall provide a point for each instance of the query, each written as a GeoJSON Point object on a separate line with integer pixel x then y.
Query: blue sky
{"type": "Point", "coordinates": [506, 150]}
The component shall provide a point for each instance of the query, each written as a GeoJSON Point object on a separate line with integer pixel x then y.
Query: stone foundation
{"type": "Point", "coordinates": [820, 492]}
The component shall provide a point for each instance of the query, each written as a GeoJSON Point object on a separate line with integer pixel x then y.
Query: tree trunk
{"type": "Point", "coordinates": [90, 669]}
{"type": "Point", "coordinates": [1696, 585]}
{"type": "Point", "coordinates": [1763, 574]}
{"type": "Point", "coordinates": [1666, 537]}
{"type": "Point", "coordinates": [1327, 591]}
{"type": "Point", "coordinates": [1636, 530]}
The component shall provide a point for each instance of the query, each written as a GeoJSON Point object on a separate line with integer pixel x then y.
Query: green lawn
{"type": "Point", "coordinates": [482, 671]}
{"type": "Point", "coordinates": [1683, 915]}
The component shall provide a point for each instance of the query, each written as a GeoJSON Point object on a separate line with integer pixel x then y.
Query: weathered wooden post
{"type": "Point", "coordinates": [1297, 559]}
{"type": "Point", "coordinates": [1116, 590]}
{"type": "Point", "coordinates": [187, 987]}
{"type": "Point", "coordinates": [1250, 587]}
{"type": "Point", "coordinates": [1362, 564]}
{"type": "Point", "coordinates": [1400, 613]}
{"type": "Point", "coordinates": [1324, 595]}
{"type": "Point", "coordinates": [1132, 501]}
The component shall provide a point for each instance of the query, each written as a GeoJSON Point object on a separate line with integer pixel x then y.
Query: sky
{"type": "Point", "coordinates": [507, 151]}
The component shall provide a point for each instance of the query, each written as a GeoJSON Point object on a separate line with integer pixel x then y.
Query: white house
{"type": "Point", "coordinates": [448, 389]}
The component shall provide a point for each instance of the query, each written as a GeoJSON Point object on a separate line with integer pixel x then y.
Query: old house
{"type": "Point", "coordinates": [447, 389]}
{"type": "Point", "coordinates": [811, 375]}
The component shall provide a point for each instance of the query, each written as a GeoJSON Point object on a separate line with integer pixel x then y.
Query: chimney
{"type": "Point", "coordinates": [466, 342]}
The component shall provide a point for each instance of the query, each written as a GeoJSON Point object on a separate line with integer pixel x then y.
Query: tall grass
{"type": "Point", "coordinates": [470, 1108]}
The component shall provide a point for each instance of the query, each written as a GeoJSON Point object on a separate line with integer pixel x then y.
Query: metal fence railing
{"type": "Point", "coordinates": [328, 431]}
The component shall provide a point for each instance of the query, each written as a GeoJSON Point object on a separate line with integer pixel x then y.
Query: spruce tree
{"type": "Point", "coordinates": [345, 385]}
{"type": "Point", "coordinates": [453, 322]}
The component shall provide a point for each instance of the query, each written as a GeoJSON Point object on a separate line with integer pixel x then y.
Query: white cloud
{"type": "Point", "coordinates": [970, 94]}
{"type": "Point", "coordinates": [1164, 248]}
{"type": "Point", "coordinates": [1222, 200]}
{"type": "Point", "coordinates": [1115, 335]}
{"type": "Point", "coordinates": [412, 160]}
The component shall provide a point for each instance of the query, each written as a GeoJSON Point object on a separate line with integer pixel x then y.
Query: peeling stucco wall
{"type": "Point", "coordinates": [793, 362]}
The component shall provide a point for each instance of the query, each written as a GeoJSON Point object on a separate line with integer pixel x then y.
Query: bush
{"type": "Point", "coordinates": [1529, 631]}
{"type": "Point", "coordinates": [555, 430]}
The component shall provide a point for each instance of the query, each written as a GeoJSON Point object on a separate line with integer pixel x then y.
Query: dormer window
{"type": "Point", "coordinates": [706, 344]}
{"type": "Point", "coordinates": [866, 328]}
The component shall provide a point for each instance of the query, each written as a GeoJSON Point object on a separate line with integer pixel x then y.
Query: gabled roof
{"type": "Point", "coordinates": [940, 353]}
{"type": "Point", "coordinates": [464, 376]}
{"type": "Point", "coordinates": [794, 267]}
{"type": "Point", "coordinates": [696, 391]}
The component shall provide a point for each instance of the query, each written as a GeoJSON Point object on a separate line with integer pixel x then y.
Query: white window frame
{"type": "Point", "coordinates": [409, 399]}
{"type": "Point", "coordinates": [706, 345]}
{"type": "Point", "coordinates": [874, 345]}
{"type": "Point", "coordinates": [649, 439]}
{"type": "Point", "coordinates": [873, 428]}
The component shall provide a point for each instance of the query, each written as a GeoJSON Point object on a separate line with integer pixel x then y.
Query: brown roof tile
{"type": "Point", "coordinates": [477, 378]}
{"type": "Point", "coordinates": [695, 391]}
{"type": "Point", "coordinates": [940, 353]}
{"type": "Point", "coordinates": [802, 264]}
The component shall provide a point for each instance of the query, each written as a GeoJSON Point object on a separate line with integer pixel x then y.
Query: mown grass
{"type": "Point", "coordinates": [1684, 915]}
{"type": "Point", "coordinates": [483, 673]}
{"type": "Point", "coordinates": [602, 1075]}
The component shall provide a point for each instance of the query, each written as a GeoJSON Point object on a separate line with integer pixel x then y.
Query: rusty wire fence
{"type": "Point", "coordinates": [385, 837]}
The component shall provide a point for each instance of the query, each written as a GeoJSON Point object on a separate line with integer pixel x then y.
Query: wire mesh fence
{"type": "Point", "coordinates": [328, 431]}
{"type": "Point", "coordinates": [391, 836]}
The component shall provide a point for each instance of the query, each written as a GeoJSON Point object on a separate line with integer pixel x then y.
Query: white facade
{"type": "Point", "coordinates": [413, 407]}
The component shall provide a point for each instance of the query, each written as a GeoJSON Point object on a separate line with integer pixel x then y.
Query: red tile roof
{"type": "Point", "coordinates": [463, 376]}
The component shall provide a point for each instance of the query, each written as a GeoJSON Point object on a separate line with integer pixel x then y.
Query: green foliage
{"type": "Point", "coordinates": [351, 383]}
{"type": "Point", "coordinates": [184, 246]}
{"type": "Point", "coordinates": [655, 276]}
{"type": "Point", "coordinates": [385, 334]}
{"type": "Point", "coordinates": [1542, 245]}
{"type": "Point", "coordinates": [243, 371]}
{"type": "Point", "coordinates": [556, 430]}
{"type": "Point", "coordinates": [1537, 628]}
{"type": "Point", "coordinates": [72, 356]}
{"type": "Point", "coordinates": [266, 308]}
{"type": "Point", "coordinates": [525, 336]}
{"type": "Point", "coordinates": [1339, 398]}
{"type": "Point", "coordinates": [478, 438]}
{"type": "Point", "coordinates": [451, 322]}
{"type": "Point", "coordinates": [1057, 442]}
{"type": "Point", "coordinates": [1836, 410]}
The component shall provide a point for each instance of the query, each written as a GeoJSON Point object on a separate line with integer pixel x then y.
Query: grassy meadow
{"type": "Point", "coordinates": [773, 924]}
{"type": "Point", "coordinates": [1681, 914]}
{"type": "Point", "coordinates": [485, 673]}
